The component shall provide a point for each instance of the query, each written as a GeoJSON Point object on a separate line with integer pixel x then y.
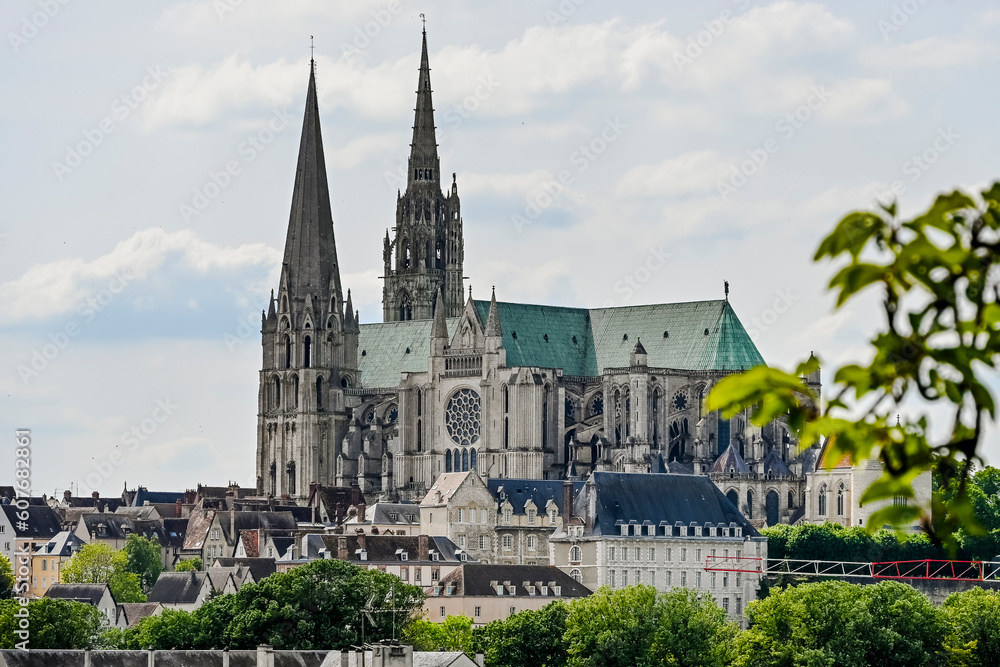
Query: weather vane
{"type": "Point", "coordinates": [424, 19]}
{"type": "Point", "coordinates": [312, 48]}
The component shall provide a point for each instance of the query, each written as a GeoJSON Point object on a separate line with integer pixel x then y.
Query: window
{"type": "Point", "coordinates": [840, 501]}
{"type": "Point", "coordinates": [669, 577]}
{"type": "Point", "coordinates": [669, 554]}
{"type": "Point", "coordinates": [638, 554]}
{"type": "Point", "coordinates": [513, 610]}
{"type": "Point", "coordinates": [697, 554]}
{"type": "Point", "coordinates": [472, 515]}
{"type": "Point", "coordinates": [575, 554]}
{"type": "Point", "coordinates": [697, 579]}
{"type": "Point", "coordinates": [684, 554]}
{"type": "Point", "coordinates": [45, 564]}
{"type": "Point", "coordinates": [725, 604]}
{"type": "Point", "coordinates": [652, 554]}
{"type": "Point", "coordinates": [611, 574]}
{"type": "Point", "coordinates": [461, 541]}
{"type": "Point", "coordinates": [484, 516]}
{"type": "Point", "coordinates": [531, 542]}
{"type": "Point", "coordinates": [506, 517]}
{"type": "Point", "coordinates": [739, 606]}
{"type": "Point", "coordinates": [416, 574]}
{"type": "Point", "coordinates": [822, 500]}
{"type": "Point", "coordinates": [652, 578]}
{"type": "Point", "coordinates": [684, 578]}
{"type": "Point", "coordinates": [442, 612]}
{"type": "Point", "coordinates": [576, 575]}
{"type": "Point", "coordinates": [611, 553]}
{"type": "Point", "coordinates": [712, 582]}
{"type": "Point", "coordinates": [552, 517]}
{"type": "Point", "coordinates": [484, 542]}
{"type": "Point", "coordinates": [508, 542]}
{"type": "Point", "coordinates": [477, 612]}
{"type": "Point", "coordinates": [404, 573]}
{"type": "Point", "coordinates": [461, 515]}
{"type": "Point", "coordinates": [624, 578]}
{"type": "Point", "coordinates": [531, 517]}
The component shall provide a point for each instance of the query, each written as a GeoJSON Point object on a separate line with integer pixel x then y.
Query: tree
{"type": "Point", "coordinates": [526, 639]}
{"type": "Point", "coordinates": [6, 577]}
{"type": "Point", "coordinates": [454, 634]}
{"type": "Point", "coordinates": [99, 563]}
{"type": "Point", "coordinates": [317, 606]}
{"type": "Point", "coordinates": [836, 623]}
{"type": "Point", "coordinates": [973, 619]}
{"type": "Point", "coordinates": [937, 343]}
{"type": "Point", "coordinates": [142, 557]}
{"type": "Point", "coordinates": [692, 631]}
{"type": "Point", "coordinates": [612, 628]}
{"type": "Point", "coordinates": [193, 564]}
{"type": "Point", "coordinates": [55, 624]}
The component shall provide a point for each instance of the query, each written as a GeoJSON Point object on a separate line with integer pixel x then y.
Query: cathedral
{"type": "Point", "coordinates": [448, 383]}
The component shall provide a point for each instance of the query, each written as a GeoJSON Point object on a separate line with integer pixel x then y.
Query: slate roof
{"type": "Point", "coordinates": [254, 521]}
{"type": "Point", "coordinates": [774, 465]}
{"type": "Point", "coordinates": [730, 461]}
{"type": "Point", "coordinates": [382, 513]}
{"type": "Point", "coordinates": [580, 341]}
{"type": "Point", "coordinates": [643, 497]}
{"type": "Point", "coordinates": [89, 593]}
{"type": "Point", "coordinates": [142, 494]}
{"type": "Point", "coordinates": [42, 523]}
{"type": "Point", "coordinates": [65, 543]}
{"type": "Point", "coordinates": [475, 579]}
{"type": "Point", "coordinates": [104, 504]}
{"type": "Point", "coordinates": [439, 659]}
{"type": "Point", "coordinates": [281, 545]}
{"type": "Point", "coordinates": [380, 548]}
{"type": "Point", "coordinates": [518, 491]}
{"type": "Point", "coordinates": [259, 567]}
{"type": "Point", "coordinates": [120, 526]}
{"type": "Point", "coordinates": [173, 532]}
{"type": "Point", "coordinates": [177, 587]}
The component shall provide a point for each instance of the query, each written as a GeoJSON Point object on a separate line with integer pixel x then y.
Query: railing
{"type": "Point", "coordinates": [462, 364]}
{"type": "Point", "coordinates": [371, 391]}
{"type": "Point", "coordinates": [949, 570]}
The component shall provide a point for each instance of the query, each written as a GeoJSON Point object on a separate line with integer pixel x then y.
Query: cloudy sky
{"type": "Point", "coordinates": [149, 154]}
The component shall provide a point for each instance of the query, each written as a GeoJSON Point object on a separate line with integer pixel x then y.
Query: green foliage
{"type": "Point", "coordinates": [831, 541]}
{"type": "Point", "coordinates": [983, 493]}
{"type": "Point", "coordinates": [937, 344]}
{"type": "Point", "coordinates": [53, 624]}
{"type": "Point", "coordinates": [142, 558]}
{"type": "Point", "coordinates": [6, 577]}
{"type": "Point", "coordinates": [454, 634]}
{"type": "Point", "coordinates": [526, 639]}
{"type": "Point", "coordinates": [638, 626]}
{"type": "Point", "coordinates": [99, 563]}
{"type": "Point", "coordinates": [312, 607]}
{"type": "Point", "coordinates": [835, 623]}
{"type": "Point", "coordinates": [192, 565]}
{"type": "Point", "coordinates": [973, 617]}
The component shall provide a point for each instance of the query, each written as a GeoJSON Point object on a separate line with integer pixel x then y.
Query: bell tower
{"type": "Point", "coordinates": [428, 248]}
{"type": "Point", "coordinates": [309, 336]}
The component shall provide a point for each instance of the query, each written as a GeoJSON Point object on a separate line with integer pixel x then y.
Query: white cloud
{"type": "Point", "coordinates": [694, 172]}
{"type": "Point", "coordinates": [358, 151]}
{"type": "Point", "coordinates": [929, 53]}
{"type": "Point", "coordinates": [60, 286]}
{"type": "Point", "coordinates": [863, 102]}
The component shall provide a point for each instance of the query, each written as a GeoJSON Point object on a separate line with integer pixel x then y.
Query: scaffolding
{"type": "Point", "coordinates": [950, 570]}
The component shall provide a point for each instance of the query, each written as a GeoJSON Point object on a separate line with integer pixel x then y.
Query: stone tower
{"type": "Point", "coordinates": [309, 336]}
{"type": "Point", "coordinates": [428, 249]}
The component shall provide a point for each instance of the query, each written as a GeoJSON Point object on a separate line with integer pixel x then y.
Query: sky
{"type": "Point", "coordinates": [605, 154]}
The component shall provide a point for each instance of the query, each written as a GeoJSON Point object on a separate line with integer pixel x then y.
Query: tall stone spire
{"type": "Point", "coordinates": [424, 166]}
{"type": "Point", "coordinates": [310, 249]}
{"type": "Point", "coordinates": [493, 319]}
{"type": "Point", "coordinates": [440, 327]}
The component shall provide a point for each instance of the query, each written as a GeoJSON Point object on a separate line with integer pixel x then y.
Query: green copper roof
{"type": "Point", "coordinates": [579, 341]}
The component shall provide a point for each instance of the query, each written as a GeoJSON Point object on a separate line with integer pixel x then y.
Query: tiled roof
{"type": "Point", "coordinates": [519, 491]}
{"type": "Point", "coordinates": [476, 579]}
{"type": "Point", "coordinates": [250, 543]}
{"type": "Point", "coordinates": [446, 484]}
{"type": "Point", "coordinates": [643, 497]}
{"type": "Point", "coordinates": [259, 567]}
{"type": "Point", "coordinates": [134, 611]}
{"type": "Point", "coordinates": [253, 521]}
{"type": "Point", "coordinates": [197, 528]}
{"type": "Point", "coordinates": [579, 341]}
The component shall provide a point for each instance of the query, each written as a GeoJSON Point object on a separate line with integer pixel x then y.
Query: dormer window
{"type": "Point", "coordinates": [363, 554]}
{"type": "Point", "coordinates": [434, 556]}
{"type": "Point", "coordinates": [393, 516]}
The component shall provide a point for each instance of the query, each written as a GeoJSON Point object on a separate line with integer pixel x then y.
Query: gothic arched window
{"type": "Point", "coordinates": [420, 436]}
{"type": "Point", "coordinates": [465, 460]}
{"type": "Point", "coordinates": [545, 417]}
{"type": "Point", "coordinates": [749, 504]}
{"type": "Point", "coordinates": [295, 391]}
{"type": "Point", "coordinates": [506, 399]}
{"type": "Point", "coordinates": [447, 460]}
{"type": "Point", "coordinates": [506, 433]}
{"type": "Point", "coordinates": [306, 351]}
{"type": "Point", "coordinates": [288, 352]}
{"type": "Point", "coordinates": [274, 477]}
{"type": "Point", "coordinates": [277, 393]}
{"type": "Point", "coordinates": [840, 501]}
{"type": "Point", "coordinates": [290, 469]}
{"type": "Point", "coordinates": [319, 393]}
{"type": "Point", "coordinates": [822, 500]}
{"type": "Point", "coordinates": [472, 459]}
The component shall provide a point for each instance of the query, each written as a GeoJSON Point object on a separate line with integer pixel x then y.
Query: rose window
{"type": "Point", "coordinates": [462, 416]}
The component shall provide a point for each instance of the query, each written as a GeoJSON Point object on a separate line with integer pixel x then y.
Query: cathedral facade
{"type": "Point", "coordinates": [447, 383]}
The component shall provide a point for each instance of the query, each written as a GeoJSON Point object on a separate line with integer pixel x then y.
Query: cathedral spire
{"type": "Point", "coordinates": [423, 148]}
{"type": "Point", "coordinates": [310, 248]}
{"type": "Point", "coordinates": [440, 327]}
{"type": "Point", "coordinates": [493, 319]}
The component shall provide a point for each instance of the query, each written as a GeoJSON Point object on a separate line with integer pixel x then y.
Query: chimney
{"type": "Point", "coordinates": [232, 524]}
{"type": "Point", "coordinates": [67, 494]}
{"type": "Point", "coordinates": [180, 508]}
{"type": "Point", "coordinates": [567, 504]}
{"type": "Point", "coordinates": [95, 495]}
{"type": "Point", "coordinates": [342, 548]}
{"type": "Point", "coordinates": [361, 510]}
{"type": "Point", "coordinates": [423, 542]}
{"type": "Point", "coordinates": [361, 541]}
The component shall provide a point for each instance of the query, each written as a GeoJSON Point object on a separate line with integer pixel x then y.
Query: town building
{"type": "Point", "coordinates": [97, 595]}
{"type": "Point", "coordinates": [460, 506]}
{"type": "Point", "coordinates": [664, 531]}
{"type": "Point", "coordinates": [492, 592]}
{"type": "Point", "coordinates": [528, 512]}
{"type": "Point", "coordinates": [48, 560]}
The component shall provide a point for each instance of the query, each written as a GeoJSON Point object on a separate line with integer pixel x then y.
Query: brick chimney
{"type": "Point", "coordinates": [567, 504]}
{"type": "Point", "coordinates": [342, 548]}
{"type": "Point", "coordinates": [180, 508]}
{"type": "Point", "coordinates": [361, 541]}
{"type": "Point", "coordinates": [423, 544]}
{"type": "Point", "coordinates": [95, 495]}
{"type": "Point", "coordinates": [67, 495]}
{"type": "Point", "coordinates": [361, 510]}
